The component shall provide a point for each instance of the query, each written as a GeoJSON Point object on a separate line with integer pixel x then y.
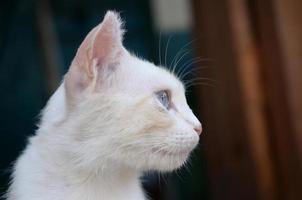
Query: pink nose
{"type": "Point", "coordinates": [198, 129]}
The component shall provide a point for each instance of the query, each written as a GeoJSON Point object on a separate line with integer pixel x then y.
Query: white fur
{"type": "Point", "coordinates": [94, 141]}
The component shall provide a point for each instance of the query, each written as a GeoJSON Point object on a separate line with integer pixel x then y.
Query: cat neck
{"type": "Point", "coordinates": [109, 181]}
{"type": "Point", "coordinates": [68, 183]}
{"type": "Point", "coordinates": [122, 184]}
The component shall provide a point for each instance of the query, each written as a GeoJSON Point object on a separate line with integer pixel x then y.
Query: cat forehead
{"type": "Point", "coordinates": [148, 76]}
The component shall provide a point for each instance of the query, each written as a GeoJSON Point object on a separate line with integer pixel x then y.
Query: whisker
{"type": "Point", "coordinates": [200, 78]}
{"type": "Point", "coordinates": [200, 83]}
{"type": "Point", "coordinates": [180, 51]}
{"type": "Point", "coordinates": [159, 48]}
{"type": "Point", "coordinates": [187, 64]}
{"type": "Point", "coordinates": [167, 46]}
{"type": "Point", "coordinates": [183, 55]}
{"type": "Point", "coordinates": [176, 57]}
{"type": "Point", "coordinates": [183, 76]}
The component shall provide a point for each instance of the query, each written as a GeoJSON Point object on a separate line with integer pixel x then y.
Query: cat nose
{"type": "Point", "coordinates": [198, 129]}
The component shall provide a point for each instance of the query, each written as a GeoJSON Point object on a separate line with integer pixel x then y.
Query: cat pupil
{"type": "Point", "coordinates": [163, 97]}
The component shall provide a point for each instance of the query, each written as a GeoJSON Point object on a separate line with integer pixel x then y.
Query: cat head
{"type": "Point", "coordinates": [126, 110]}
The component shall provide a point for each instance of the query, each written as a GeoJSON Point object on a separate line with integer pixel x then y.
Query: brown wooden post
{"type": "Point", "coordinates": [282, 121]}
{"type": "Point", "coordinates": [253, 117]}
{"type": "Point", "coordinates": [229, 160]}
{"type": "Point", "coordinates": [251, 83]}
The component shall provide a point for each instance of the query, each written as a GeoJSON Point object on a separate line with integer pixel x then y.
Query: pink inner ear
{"type": "Point", "coordinates": [102, 44]}
{"type": "Point", "coordinates": [101, 48]}
{"type": "Point", "coordinates": [108, 40]}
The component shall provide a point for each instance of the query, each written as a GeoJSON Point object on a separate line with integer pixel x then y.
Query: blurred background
{"type": "Point", "coordinates": [242, 58]}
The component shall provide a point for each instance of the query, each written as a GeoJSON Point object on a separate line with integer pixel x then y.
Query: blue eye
{"type": "Point", "coordinates": [164, 99]}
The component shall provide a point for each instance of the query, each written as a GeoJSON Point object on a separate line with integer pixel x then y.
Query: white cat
{"type": "Point", "coordinates": [113, 117]}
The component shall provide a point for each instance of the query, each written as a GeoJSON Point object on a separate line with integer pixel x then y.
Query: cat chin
{"type": "Point", "coordinates": [165, 161]}
{"type": "Point", "coordinates": [170, 164]}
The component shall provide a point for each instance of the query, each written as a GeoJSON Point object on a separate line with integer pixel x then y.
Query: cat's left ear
{"type": "Point", "coordinates": [100, 50]}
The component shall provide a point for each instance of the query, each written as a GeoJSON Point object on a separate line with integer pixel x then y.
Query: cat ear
{"type": "Point", "coordinates": [100, 50]}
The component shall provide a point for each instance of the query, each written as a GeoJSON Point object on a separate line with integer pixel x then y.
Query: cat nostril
{"type": "Point", "coordinates": [198, 129]}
